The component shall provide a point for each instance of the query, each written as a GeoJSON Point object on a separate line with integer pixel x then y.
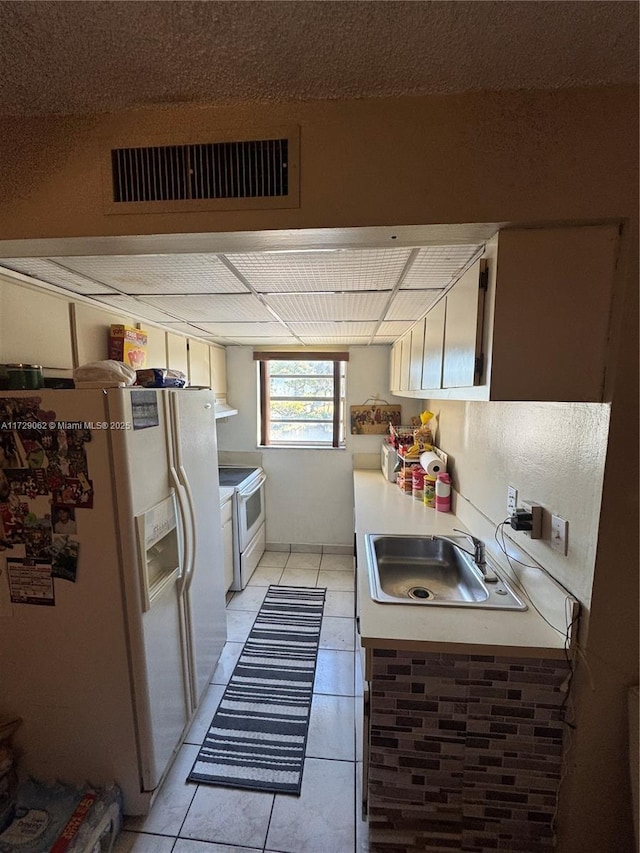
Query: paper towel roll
{"type": "Point", "coordinates": [431, 463]}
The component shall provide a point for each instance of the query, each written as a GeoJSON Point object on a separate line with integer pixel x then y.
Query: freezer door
{"type": "Point", "coordinates": [196, 461]}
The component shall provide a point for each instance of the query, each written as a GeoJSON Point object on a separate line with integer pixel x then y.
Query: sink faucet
{"type": "Point", "coordinates": [478, 554]}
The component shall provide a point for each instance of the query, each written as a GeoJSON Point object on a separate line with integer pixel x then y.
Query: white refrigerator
{"type": "Point", "coordinates": [112, 607]}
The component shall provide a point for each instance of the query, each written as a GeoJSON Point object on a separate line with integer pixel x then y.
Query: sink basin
{"type": "Point", "coordinates": [432, 571]}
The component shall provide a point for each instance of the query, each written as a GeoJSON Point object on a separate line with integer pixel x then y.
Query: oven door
{"type": "Point", "coordinates": [251, 509]}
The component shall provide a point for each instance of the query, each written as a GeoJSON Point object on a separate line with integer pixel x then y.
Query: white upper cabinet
{"type": "Point", "coordinates": [91, 330]}
{"type": "Point", "coordinates": [156, 346]}
{"type": "Point", "coordinates": [415, 357]}
{"type": "Point", "coordinates": [401, 364]}
{"type": "Point", "coordinates": [553, 313]}
{"type": "Point", "coordinates": [218, 362]}
{"type": "Point", "coordinates": [463, 329]}
{"type": "Point", "coordinates": [395, 366]}
{"type": "Point", "coordinates": [537, 325]}
{"type": "Point", "coordinates": [34, 327]}
{"type": "Point", "coordinates": [177, 355]}
{"type": "Point", "coordinates": [199, 370]}
{"type": "Point", "coordinates": [433, 354]}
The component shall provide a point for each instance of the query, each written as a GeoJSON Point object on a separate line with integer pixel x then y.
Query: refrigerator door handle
{"type": "Point", "coordinates": [189, 567]}
{"type": "Point", "coordinates": [186, 532]}
{"type": "Point", "coordinates": [188, 508]}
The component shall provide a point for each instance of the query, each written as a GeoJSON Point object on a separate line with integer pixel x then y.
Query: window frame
{"type": "Point", "coordinates": [338, 358]}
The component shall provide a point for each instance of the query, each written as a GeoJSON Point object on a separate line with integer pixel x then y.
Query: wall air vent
{"type": "Point", "coordinates": [224, 175]}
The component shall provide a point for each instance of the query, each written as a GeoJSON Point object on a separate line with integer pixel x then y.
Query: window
{"type": "Point", "coordinates": [302, 398]}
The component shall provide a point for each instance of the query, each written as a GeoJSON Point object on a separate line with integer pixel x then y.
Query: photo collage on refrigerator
{"type": "Point", "coordinates": [44, 484]}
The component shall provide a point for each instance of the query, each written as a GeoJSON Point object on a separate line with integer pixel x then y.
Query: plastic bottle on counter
{"type": "Point", "coordinates": [417, 478]}
{"type": "Point", "coordinates": [443, 492]}
{"type": "Point", "coordinates": [429, 491]}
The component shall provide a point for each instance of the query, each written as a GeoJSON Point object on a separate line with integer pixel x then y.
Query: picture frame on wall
{"type": "Point", "coordinates": [374, 419]}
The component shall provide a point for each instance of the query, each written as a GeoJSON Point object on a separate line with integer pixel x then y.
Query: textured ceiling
{"type": "Point", "coordinates": [80, 57]}
{"type": "Point", "coordinates": [66, 57]}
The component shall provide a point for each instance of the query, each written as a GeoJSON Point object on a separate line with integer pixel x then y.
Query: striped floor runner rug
{"type": "Point", "coordinates": [258, 736]}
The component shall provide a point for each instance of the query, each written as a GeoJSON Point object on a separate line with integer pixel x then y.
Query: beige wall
{"type": "Point", "coordinates": [553, 453]}
{"type": "Point", "coordinates": [517, 156]}
{"type": "Point", "coordinates": [598, 785]}
{"type": "Point", "coordinates": [309, 493]}
{"type": "Point", "coordinates": [510, 156]}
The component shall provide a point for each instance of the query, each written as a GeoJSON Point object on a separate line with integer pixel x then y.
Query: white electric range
{"type": "Point", "coordinates": [249, 519]}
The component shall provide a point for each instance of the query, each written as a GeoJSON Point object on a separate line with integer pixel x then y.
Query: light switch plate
{"type": "Point", "coordinates": [559, 534]}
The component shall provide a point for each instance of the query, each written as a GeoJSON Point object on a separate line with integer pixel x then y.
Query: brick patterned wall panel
{"type": "Point", "coordinates": [466, 752]}
{"type": "Point", "coordinates": [421, 705]}
{"type": "Point", "coordinates": [514, 717]}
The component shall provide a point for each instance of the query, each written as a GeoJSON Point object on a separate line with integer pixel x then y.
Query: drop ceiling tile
{"type": "Point", "coordinates": [339, 270]}
{"type": "Point", "coordinates": [212, 307]}
{"type": "Point", "coordinates": [342, 340]}
{"type": "Point", "coordinates": [44, 270]}
{"type": "Point", "coordinates": [189, 329]}
{"type": "Point", "coordinates": [177, 274]}
{"type": "Point", "coordinates": [437, 266]}
{"type": "Point", "coordinates": [263, 342]}
{"type": "Point", "coordinates": [411, 304]}
{"type": "Point", "coordinates": [324, 296]}
{"type": "Point", "coordinates": [395, 329]}
{"type": "Point", "coordinates": [318, 307]}
{"type": "Point", "coordinates": [341, 329]}
{"type": "Point", "coordinates": [137, 308]}
{"type": "Point", "coordinates": [231, 329]}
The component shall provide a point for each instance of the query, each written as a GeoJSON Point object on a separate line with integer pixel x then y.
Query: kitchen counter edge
{"type": "Point", "coordinates": [380, 507]}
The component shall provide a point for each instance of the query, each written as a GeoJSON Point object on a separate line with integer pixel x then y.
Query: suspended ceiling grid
{"type": "Point", "coordinates": [283, 297]}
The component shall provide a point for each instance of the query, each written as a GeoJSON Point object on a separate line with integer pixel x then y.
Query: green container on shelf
{"type": "Point", "coordinates": [24, 377]}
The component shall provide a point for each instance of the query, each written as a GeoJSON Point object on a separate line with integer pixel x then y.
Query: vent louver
{"type": "Point", "coordinates": [255, 169]}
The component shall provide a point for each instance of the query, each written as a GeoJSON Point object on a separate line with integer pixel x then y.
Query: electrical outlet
{"type": "Point", "coordinates": [512, 500]}
{"type": "Point", "coordinates": [559, 534]}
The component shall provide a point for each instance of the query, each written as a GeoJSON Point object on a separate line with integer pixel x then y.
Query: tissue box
{"type": "Point", "coordinates": [128, 345]}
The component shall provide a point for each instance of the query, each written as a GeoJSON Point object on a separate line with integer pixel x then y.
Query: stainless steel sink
{"type": "Point", "coordinates": [434, 571]}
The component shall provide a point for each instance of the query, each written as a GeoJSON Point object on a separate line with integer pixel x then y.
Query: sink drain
{"type": "Point", "coordinates": [420, 593]}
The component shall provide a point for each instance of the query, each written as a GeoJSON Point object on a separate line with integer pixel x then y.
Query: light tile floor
{"type": "Point", "coordinates": [326, 818]}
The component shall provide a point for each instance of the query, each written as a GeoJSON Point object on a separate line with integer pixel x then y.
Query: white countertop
{"type": "Point", "coordinates": [380, 507]}
{"type": "Point", "coordinates": [226, 493]}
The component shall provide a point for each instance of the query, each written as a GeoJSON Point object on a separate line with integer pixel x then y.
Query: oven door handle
{"type": "Point", "coordinates": [253, 488]}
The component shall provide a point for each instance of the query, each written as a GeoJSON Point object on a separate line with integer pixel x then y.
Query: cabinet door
{"type": "Point", "coordinates": [463, 329]}
{"type": "Point", "coordinates": [405, 362]}
{"type": "Point", "coordinates": [177, 356]}
{"type": "Point", "coordinates": [218, 359]}
{"type": "Point", "coordinates": [156, 346]}
{"type": "Point", "coordinates": [433, 346]}
{"type": "Point", "coordinates": [415, 357]}
{"type": "Point", "coordinates": [554, 329]}
{"type": "Point", "coordinates": [91, 330]}
{"type": "Point", "coordinates": [35, 327]}
{"type": "Point", "coordinates": [394, 368]}
{"type": "Point", "coordinates": [199, 363]}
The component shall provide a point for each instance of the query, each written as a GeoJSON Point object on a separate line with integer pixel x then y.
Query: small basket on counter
{"type": "Point", "coordinates": [406, 436]}
{"type": "Point", "coordinates": [401, 435]}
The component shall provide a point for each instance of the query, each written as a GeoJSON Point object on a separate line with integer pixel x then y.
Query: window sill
{"type": "Point", "coordinates": [289, 447]}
